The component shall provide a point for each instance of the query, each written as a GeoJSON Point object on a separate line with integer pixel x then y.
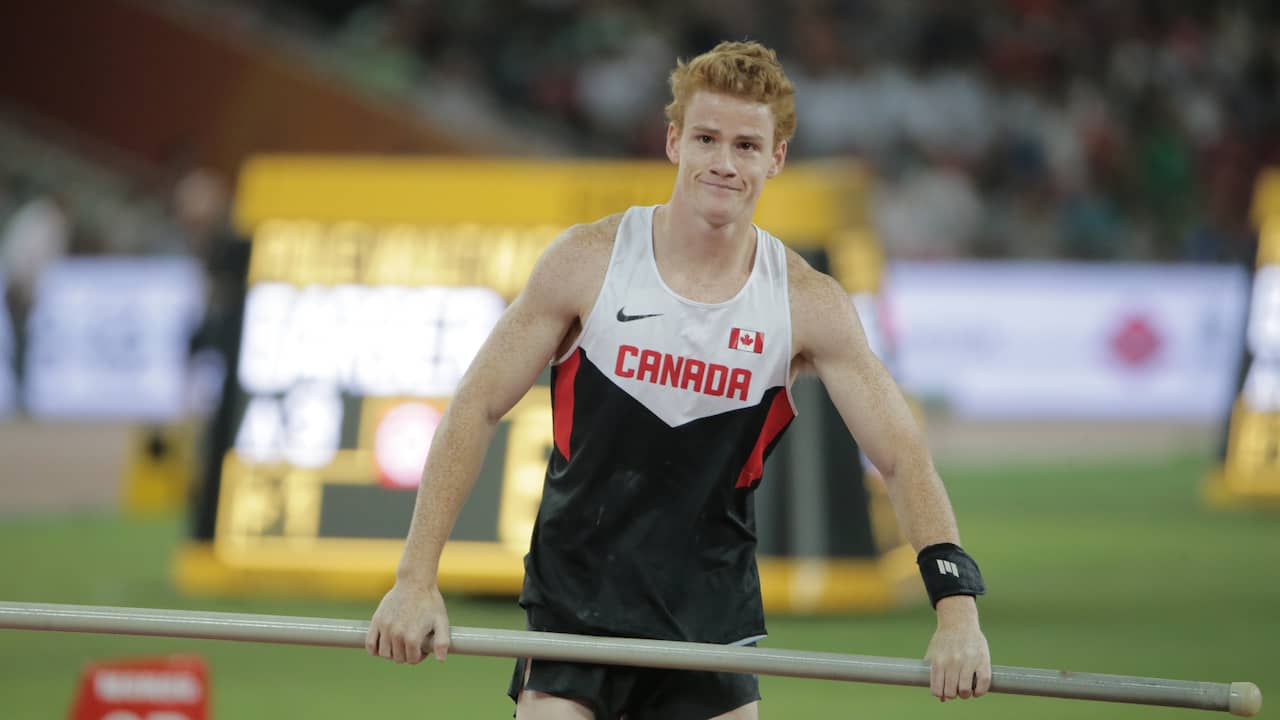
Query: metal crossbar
{"type": "Point", "coordinates": [1238, 698]}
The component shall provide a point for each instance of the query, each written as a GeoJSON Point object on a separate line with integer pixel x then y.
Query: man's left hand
{"type": "Point", "coordinates": [959, 660]}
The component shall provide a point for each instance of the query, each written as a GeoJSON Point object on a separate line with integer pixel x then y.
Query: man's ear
{"type": "Point", "coordinates": [779, 160]}
{"type": "Point", "coordinates": [673, 143]}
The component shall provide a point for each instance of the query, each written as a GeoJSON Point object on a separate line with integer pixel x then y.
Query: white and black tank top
{"type": "Point", "coordinates": [664, 412]}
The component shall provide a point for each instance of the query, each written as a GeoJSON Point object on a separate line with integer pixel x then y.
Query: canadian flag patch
{"type": "Point", "coordinates": [746, 340]}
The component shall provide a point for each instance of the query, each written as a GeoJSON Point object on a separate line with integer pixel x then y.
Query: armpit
{"type": "Point", "coordinates": [800, 365]}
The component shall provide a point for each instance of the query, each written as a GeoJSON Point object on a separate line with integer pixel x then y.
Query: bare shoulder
{"type": "Point", "coordinates": [812, 291]}
{"type": "Point", "coordinates": [587, 243]}
{"type": "Point", "coordinates": [571, 270]}
{"type": "Point", "coordinates": [822, 313]}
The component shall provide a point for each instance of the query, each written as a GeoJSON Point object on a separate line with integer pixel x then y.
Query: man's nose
{"type": "Point", "coordinates": [722, 163]}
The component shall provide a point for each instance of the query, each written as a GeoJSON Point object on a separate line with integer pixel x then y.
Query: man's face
{"type": "Point", "coordinates": [725, 152]}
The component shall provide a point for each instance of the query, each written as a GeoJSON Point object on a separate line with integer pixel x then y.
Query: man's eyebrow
{"type": "Point", "coordinates": [713, 131]}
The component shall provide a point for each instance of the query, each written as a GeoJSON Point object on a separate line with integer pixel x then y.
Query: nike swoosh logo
{"type": "Point", "coordinates": [623, 317]}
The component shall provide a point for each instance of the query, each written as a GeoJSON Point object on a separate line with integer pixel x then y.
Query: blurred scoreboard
{"type": "Point", "coordinates": [370, 285]}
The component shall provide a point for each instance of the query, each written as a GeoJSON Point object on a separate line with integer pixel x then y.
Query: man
{"type": "Point", "coordinates": [674, 334]}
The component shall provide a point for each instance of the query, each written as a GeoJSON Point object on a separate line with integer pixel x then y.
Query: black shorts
{"type": "Point", "coordinates": [614, 691]}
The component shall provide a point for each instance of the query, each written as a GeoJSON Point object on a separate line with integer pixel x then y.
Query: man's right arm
{"type": "Point", "coordinates": [561, 287]}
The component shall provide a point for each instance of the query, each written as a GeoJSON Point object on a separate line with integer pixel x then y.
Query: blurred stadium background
{"type": "Point", "coordinates": [1056, 218]}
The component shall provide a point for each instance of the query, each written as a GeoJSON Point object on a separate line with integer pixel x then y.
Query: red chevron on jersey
{"type": "Point", "coordinates": [751, 341]}
{"type": "Point", "coordinates": [562, 403]}
{"type": "Point", "coordinates": [685, 373]}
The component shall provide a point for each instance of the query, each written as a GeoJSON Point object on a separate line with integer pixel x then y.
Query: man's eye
{"type": "Point", "coordinates": [704, 139]}
{"type": "Point", "coordinates": [747, 146]}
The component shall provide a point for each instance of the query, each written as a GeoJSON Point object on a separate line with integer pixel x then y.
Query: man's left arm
{"type": "Point", "coordinates": [829, 338]}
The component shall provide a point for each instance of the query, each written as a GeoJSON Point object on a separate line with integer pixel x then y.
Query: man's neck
{"type": "Point", "coordinates": [685, 239]}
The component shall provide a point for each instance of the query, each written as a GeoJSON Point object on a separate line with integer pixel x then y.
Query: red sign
{"type": "Point", "coordinates": [401, 444]}
{"type": "Point", "coordinates": [165, 688]}
{"type": "Point", "coordinates": [1135, 343]}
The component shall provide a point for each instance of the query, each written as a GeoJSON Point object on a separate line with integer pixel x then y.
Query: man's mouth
{"type": "Point", "coordinates": [717, 185]}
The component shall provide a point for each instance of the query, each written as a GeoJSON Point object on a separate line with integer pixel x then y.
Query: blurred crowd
{"type": "Point", "coordinates": [59, 200]}
{"type": "Point", "coordinates": [1083, 129]}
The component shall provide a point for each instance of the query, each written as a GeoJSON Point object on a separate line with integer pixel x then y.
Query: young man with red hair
{"type": "Point", "coordinates": [674, 333]}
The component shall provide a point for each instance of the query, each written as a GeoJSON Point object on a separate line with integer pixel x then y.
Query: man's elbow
{"type": "Point", "coordinates": [473, 408]}
{"type": "Point", "coordinates": [492, 414]}
{"type": "Point", "coordinates": [487, 410]}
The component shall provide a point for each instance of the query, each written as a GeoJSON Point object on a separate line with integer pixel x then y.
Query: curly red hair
{"type": "Point", "coordinates": [746, 70]}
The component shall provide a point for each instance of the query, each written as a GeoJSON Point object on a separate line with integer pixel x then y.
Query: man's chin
{"type": "Point", "coordinates": [719, 214]}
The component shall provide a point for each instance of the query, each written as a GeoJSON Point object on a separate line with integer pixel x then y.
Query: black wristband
{"type": "Point", "coordinates": [948, 570]}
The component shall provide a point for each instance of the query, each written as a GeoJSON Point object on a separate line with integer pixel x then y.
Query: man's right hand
{"type": "Point", "coordinates": [406, 618]}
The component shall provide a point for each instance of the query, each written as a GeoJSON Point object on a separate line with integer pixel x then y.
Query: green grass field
{"type": "Point", "coordinates": [1102, 568]}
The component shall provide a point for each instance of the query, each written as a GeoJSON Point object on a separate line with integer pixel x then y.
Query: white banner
{"type": "Point", "coordinates": [1069, 340]}
{"type": "Point", "coordinates": [8, 383]}
{"type": "Point", "coordinates": [108, 337]}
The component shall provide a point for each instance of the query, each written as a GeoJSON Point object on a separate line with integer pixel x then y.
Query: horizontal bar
{"type": "Point", "coordinates": [1239, 698]}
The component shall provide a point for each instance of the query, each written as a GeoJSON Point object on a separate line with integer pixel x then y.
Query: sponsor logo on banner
{"type": "Point", "coordinates": [1135, 343]}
